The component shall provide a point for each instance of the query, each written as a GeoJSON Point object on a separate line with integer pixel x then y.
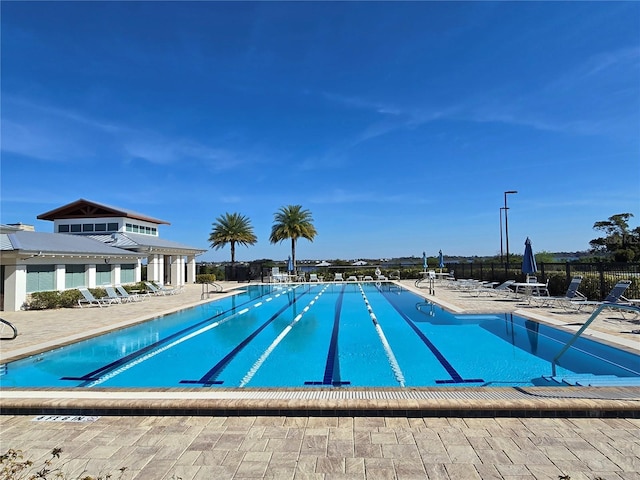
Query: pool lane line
{"type": "Point", "coordinates": [393, 362]}
{"type": "Point", "coordinates": [332, 365]}
{"type": "Point", "coordinates": [256, 366]}
{"type": "Point", "coordinates": [455, 376]}
{"type": "Point", "coordinates": [211, 377]}
{"type": "Point", "coordinates": [124, 363]}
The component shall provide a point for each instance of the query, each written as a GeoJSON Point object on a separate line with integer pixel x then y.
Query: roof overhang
{"type": "Point", "coordinates": [87, 209]}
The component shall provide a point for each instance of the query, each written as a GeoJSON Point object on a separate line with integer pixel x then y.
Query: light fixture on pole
{"type": "Point", "coordinates": [506, 221]}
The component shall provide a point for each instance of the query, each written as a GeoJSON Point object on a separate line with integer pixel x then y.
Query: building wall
{"type": "Point", "coordinates": [15, 276]}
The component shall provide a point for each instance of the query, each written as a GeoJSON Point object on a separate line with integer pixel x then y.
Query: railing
{"type": "Point", "coordinates": [598, 277]}
{"type": "Point", "coordinates": [209, 288]}
{"type": "Point", "coordinates": [13, 331]}
{"type": "Point", "coordinates": [596, 312]}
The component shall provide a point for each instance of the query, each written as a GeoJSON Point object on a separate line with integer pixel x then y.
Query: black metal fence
{"type": "Point", "coordinates": [598, 278]}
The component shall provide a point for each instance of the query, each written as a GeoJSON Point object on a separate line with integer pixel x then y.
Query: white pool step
{"type": "Point", "coordinates": [588, 380]}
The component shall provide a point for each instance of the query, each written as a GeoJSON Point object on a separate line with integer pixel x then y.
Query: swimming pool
{"type": "Point", "coordinates": [348, 334]}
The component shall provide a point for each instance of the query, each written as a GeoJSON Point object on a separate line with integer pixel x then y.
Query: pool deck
{"type": "Point", "coordinates": [325, 433]}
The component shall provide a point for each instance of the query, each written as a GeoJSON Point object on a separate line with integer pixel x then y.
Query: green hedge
{"type": "Point", "coordinates": [206, 278]}
{"type": "Point", "coordinates": [54, 299]}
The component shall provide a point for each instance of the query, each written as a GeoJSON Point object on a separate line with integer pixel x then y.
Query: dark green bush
{"type": "Point", "coordinates": [69, 298]}
{"type": "Point", "coordinates": [206, 278]}
{"type": "Point", "coordinates": [43, 300]}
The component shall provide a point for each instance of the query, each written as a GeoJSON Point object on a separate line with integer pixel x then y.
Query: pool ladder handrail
{"type": "Point", "coordinates": [215, 288]}
{"type": "Point", "coordinates": [6, 323]}
{"type": "Point", "coordinates": [592, 317]}
{"type": "Point", "coordinates": [431, 311]}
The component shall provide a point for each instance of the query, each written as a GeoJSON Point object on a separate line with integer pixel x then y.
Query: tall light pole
{"type": "Point", "coordinates": [501, 249]}
{"type": "Point", "coordinates": [506, 222]}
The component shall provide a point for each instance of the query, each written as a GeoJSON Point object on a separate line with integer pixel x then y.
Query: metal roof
{"type": "Point", "coordinates": [58, 243]}
{"type": "Point", "coordinates": [137, 241]}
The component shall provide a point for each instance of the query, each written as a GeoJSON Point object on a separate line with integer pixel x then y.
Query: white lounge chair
{"type": "Point", "coordinates": [112, 294]}
{"type": "Point", "coordinates": [126, 296]}
{"type": "Point", "coordinates": [368, 278]}
{"type": "Point", "coordinates": [89, 299]}
{"type": "Point", "coordinates": [301, 277]}
{"type": "Point", "coordinates": [572, 294]}
{"type": "Point", "coordinates": [313, 277]}
{"type": "Point", "coordinates": [379, 275]}
{"type": "Point", "coordinates": [614, 296]}
{"type": "Point", "coordinates": [338, 277]}
{"type": "Point", "coordinates": [352, 278]}
{"type": "Point", "coordinates": [153, 289]}
{"type": "Point", "coordinates": [490, 288]}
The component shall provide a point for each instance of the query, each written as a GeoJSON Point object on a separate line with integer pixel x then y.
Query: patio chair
{"type": "Point", "coordinates": [352, 278]}
{"type": "Point", "coordinates": [368, 278]}
{"type": "Point", "coordinates": [313, 277]}
{"type": "Point", "coordinates": [153, 289]}
{"type": "Point", "coordinates": [337, 277]}
{"type": "Point", "coordinates": [89, 299]}
{"type": "Point", "coordinates": [170, 290]}
{"type": "Point", "coordinates": [491, 289]}
{"type": "Point", "coordinates": [614, 297]}
{"type": "Point", "coordinates": [112, 294]}
{"type": "Point", "coordinates": [301, 277]}
{"type": "Point", "coordinates": [126, 296]}
{"type": "Point", "coordinates": [379, 275]}
{"type": "Point", "coordinates": [276, 276]}
{"type": "Point", "coordinates": [572, 294]}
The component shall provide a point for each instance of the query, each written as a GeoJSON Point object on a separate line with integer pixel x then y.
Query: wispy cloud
{"type": "Point", "coordinates": [51, 133]}
{"type": "Point", "coordinates": [341, 196]}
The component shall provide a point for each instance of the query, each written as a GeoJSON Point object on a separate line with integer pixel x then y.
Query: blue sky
{"type": "Point", "coordinates": [398, 125]}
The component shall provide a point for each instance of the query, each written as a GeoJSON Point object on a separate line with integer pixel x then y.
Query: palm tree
{"type": "Point", "coordinates": [232, 228]}
{"type": "Point", "coordinates": [292, 222]}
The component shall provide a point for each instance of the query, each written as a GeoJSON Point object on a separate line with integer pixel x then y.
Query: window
{"type": "Point", "coordinates": [40, 278]}
{"type": "Point", "coordinates": [76, 228]}
{"type": "Point", "coordinates": [129, 227]}
{"type": "Point", "coordinates": [112, 227]}
{"type": "Point", "coordinates": [87, 227]}
{"type": "Point", "coordinates": [136, 229]}
{"type": "Point", "coordinates": [103, 274]}
{"type": "Point", "coordinates": [127, 273]}
{"type": "Point", "coordinates": [101, 227]}
{"type": "Point", "coordinates": [74, 276]}
{"type": "Point", "coordinates": [63, 228]}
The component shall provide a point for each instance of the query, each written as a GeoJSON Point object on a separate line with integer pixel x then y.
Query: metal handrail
{"type": "Point", "coordinates": [10, 325]}
{"type": "Point", "coordinates": [596, 312]}
{"type": "Point", "coordinates": [431, 311]}
{"type": "Point", "coordinates": [215, 288]}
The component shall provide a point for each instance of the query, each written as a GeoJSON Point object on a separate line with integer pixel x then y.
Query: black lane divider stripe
{"type": "Point", "coordinates": [332, 367]}
{"type": "Point", "coordinates": [210, 378]}
{"type": "Point", "coordinates": [455, 376]}
{"type": "Point", "coordinates": [96, 374]}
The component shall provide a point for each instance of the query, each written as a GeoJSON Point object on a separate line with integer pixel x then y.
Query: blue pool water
{"type": "Point", "coordinates": [349, 334]}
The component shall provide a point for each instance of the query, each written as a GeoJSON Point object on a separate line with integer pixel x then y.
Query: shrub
{"type": "Point", "coordinates": [206, 278]}
{"type": "Point", "coordinates": [69, 298]}
{"type": "Point", "coordinates": [43, 300]}
{"type": "Point", "coordinates": [13, 466]}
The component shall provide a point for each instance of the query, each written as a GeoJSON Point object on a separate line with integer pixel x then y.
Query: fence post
{"type": "Point", "coordinates": [601, 272]}
{"type": "Point", "coordinates": [567, 270]}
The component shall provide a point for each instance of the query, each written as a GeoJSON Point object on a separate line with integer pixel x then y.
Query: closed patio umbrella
{"type": "Point", "coordinates": [290, 264]}
{"type": "Point", "coordinates": [529, 261]}
{"type": "Point", "coordinates": [424, 261]}
{"type": "Point", "coordinates": [440, 261]}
